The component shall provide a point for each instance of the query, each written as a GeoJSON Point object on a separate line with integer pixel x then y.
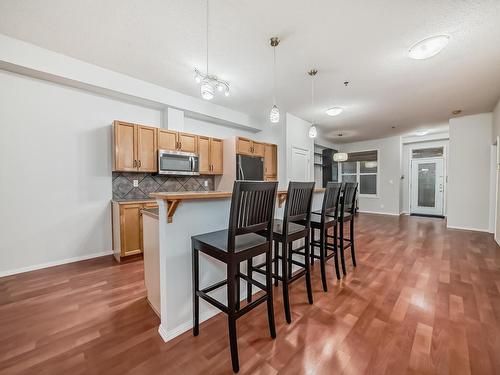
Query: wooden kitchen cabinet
{"type": "Point", "coordinates": [167, 140]}
{"type": "Point", "coordinates": [135, 147]}
{"type": "Point", "coordinates": [211, 155]}
{"type": "Point", "coordinates": [176, 141]}
{"type": "Point", "coordinates": [125, 144]}
{"type": "Point", "coordinates": [270, 162]}
{"type": "Point", "coordinates": [127, 228]}
{"type": "Point", "coordinates": [245, 146]}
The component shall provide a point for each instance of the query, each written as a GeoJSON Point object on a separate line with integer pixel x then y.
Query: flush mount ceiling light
{"type": "Point", "coordinates": [209, 83]}
{"type": "Point", "coordinates": [421, 133]}
{"type": "Point", "coordinates": [334, 111]}
{"type": "Point", "coordinates": [428, 47]}
{"type": "Point", "coordinates": [313, 132]}
{"type": "Point", "coordinates": [340, 157]}
{"type": "Point", "coordinates": [274, 115]}
{"type": "Point", "coordinates": [457, 112]}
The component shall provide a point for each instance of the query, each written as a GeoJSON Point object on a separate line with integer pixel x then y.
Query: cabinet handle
{"type": "Point", "coordinates": [180, 145]}
{"type": "Point", "coordinates": [139, 164]}
{"type": "Point", "coordinates": [135, 163]}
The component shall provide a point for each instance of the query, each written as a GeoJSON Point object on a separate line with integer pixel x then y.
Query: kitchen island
{"type": "Point", "coordinates": [186, 214]}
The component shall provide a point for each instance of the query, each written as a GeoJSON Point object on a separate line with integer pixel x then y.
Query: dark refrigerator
{"type": "Point", "coordinates": [330, 168]}
{"type": "Point", "coordinates": [249, 168]}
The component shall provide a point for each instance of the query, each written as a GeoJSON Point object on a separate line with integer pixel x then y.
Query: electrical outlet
{"type": "Point", "coordinates": [135, 183]}
{"type": "Point", "coordinates": [381, 206]}
{"type": "Point", "coordinates": [205, 183]}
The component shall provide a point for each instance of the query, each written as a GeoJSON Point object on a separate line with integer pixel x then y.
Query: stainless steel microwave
{"type": "Point", "coordinates": [178, 163]}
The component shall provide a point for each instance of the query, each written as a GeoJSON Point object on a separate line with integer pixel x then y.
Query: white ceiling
{"type": "Point", "coordinates": [363, 42]}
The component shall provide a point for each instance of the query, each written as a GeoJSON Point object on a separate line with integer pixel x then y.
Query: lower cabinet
{"type": "Point", "coordinates": [127, 228]}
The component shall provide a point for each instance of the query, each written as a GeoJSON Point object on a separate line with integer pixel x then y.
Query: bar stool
{"type": "Point", "coordinates": [346, 215]}
{"type": "Point", "coordinates": [252, 211]}
{"type": "Point", "coordinates": [324, 220]}
{"type": "Point", "coordinates": [294, 226]}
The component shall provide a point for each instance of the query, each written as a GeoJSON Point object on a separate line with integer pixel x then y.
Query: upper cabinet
{"type": "Point", "coordinates": [245, 146]}
{"type": "Point", "coordinates": [176, 141]}
{"type": "Point", "coordinates": [135, 147]}
{"type": "Point", "coordinates": [270, 162]}
{"type": "Point", "coordinates": [210, 152]}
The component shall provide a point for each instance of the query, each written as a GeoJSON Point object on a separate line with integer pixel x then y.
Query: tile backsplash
{"type": "Point", "coordinates": [123, 184]}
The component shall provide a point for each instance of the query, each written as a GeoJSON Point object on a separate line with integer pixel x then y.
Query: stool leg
{"type": "Point", "coordinates": [231, 316]}
{"type": "Point", "coordinates": [336, 251]}
{"type": "Point", "coordinates": [249, 274]}
{"type": "Point", "coordinates": [341, 235]}
{"type": "Point", "coordinates": [351, 236]}
{"type": "Point", "coordinates": [196, 287]}
{"type": "Point", "coordinates": [322, 258]}
{"type": "Point", "coordinates": [308, 270]}
{"type": "Point", "coordinates": [276, 261]}
{"type": "Point", "coordinates": [284, 282]}
{"type": "Point", "coordinates": [269, 291]}
{"type": "Point", "coordinates": [237, 287]}
{"type": "Point", "coordinates": [312, 247]}
{"type": "Point", "coordinates": [289, 260]}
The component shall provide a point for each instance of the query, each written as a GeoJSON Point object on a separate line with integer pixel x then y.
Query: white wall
{"type": "Point", "coordinates": [296, 135]}
{"type": "Point", "coordinates": [469, 172]}
{"type": "Point", "coordinates": [496, 134]}
{"type": "Point", "coordinates": [389, 166]}
{"type": "Point", "coordinates": [405, 170]}
{"type": "Point", "coordinates": [55, 178]}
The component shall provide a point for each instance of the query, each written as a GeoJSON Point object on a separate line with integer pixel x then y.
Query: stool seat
{"type": "Point", "coordinates": [316, 221]}
{"type": "Point", "coordinates": [293, 228]}
{"type": "Point", "coordinates": [218, 240]}
{"type": "Point", "coordinates": [331, 214]}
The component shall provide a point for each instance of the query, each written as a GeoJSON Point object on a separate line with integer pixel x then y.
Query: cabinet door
{"type": "Point", "coordinates": [124, 143]}
{"type": "Point", "coordinates": [167, 140]}
{"type": "Point", "coordinates": [131, 229]}
{"type": "Point", "coordinates": [187, 142]}
{"type": "Point", "coordinates": [244, 146]}
{"type": "Point", "coordinates": [146, 149]}
{"type": "Point", "coordinates": [204, 155]}
{"type": "Point", "coordinates": [258, 149]}
{"type": "Point", "coordinates": [216, 155]}
{"type": "Point", "coordinates": [270, 160]}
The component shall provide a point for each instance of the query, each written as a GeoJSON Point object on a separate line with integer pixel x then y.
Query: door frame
{"type": "Point", "coordinates": [445, 178]}
{"type": "Point", "coordinates": [306, 152]}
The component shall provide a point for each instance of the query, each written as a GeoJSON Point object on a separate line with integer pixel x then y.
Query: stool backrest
{"type": "Point", "coordinates": [252, 209]}
{"type": "Point", "coordinates": [331, 200]}
{"type": "Point", "coordinates": [348, 201]}
{"type": "Point", "coordinates": [298, 203]}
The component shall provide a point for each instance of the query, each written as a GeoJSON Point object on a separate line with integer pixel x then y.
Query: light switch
{"type": "Point", "coordinates": [135, 183]}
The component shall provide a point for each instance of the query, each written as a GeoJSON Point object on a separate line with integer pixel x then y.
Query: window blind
{"type": "Point", "coordinates": [362, 156]}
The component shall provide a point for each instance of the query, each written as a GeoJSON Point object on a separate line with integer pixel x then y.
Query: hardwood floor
{"type": "Point", "coordinates": [423, 299]}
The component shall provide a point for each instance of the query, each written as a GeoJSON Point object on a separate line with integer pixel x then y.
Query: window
{"type": "Point", "coordinates": [362, 167]}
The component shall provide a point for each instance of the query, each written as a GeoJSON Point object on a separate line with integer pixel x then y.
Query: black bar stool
{"type": "Point", "coordinates": [294, 226]}
{"type": "Point", "coordinates": [325, 220]}
{"type": "Point", "coordinates": [346, 215]}
{"type": "Point", "coordinates": [252, 212]}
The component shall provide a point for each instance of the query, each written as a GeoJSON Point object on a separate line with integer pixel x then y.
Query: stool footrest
{"type": "Point", "coordinates": [253, 282]}
{"type": "Point", "coordinates": [213, 301]}
{"type": "Point", "coordinates": [212, 287]}
{"type": "Point", "coordinates": [251, 305]}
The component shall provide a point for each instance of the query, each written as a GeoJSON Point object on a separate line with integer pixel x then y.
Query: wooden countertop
{"type": "Point", "coordinates": [173, 199]}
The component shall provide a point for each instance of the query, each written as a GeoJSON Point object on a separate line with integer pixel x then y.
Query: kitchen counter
{"type": "Point", "coordinates": [126, 201]}
{"type": "Point", "coordinates": [198, 212]}
{"type": "Point", "coordinates": [174, 198]}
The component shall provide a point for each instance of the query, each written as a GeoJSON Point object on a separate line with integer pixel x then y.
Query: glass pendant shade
{"type": "Point", "coordinates": [340, 156]}
{"type": "Point", "coordinates": [274, 115]}
{"type": "Point", "coordinates": [207, 91]}
{"type": "Point", "coordinates": [313, 132]}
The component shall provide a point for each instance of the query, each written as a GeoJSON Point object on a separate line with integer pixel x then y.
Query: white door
{"type": "Point", "coordinates": [300, 165]}
{"type": "Point", "coordinates": [427, 186]}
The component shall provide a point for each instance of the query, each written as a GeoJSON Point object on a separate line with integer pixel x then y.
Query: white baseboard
{"type": "Point", "coordinates": [468, 228]}
{"type": "Point", "coordinates": [378, 213]}
{"type": "Point", "coordinates": [168, 335]}
{"type": "Point", "coordinates": [54, 263]}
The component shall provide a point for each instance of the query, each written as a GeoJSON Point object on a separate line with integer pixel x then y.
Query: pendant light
{"type": "Point", "coordinates": [313, 132]}
{"type": "Point", "coordinates": [209, 83]}
{"type": "Point", "coordinates": [274, 115]}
